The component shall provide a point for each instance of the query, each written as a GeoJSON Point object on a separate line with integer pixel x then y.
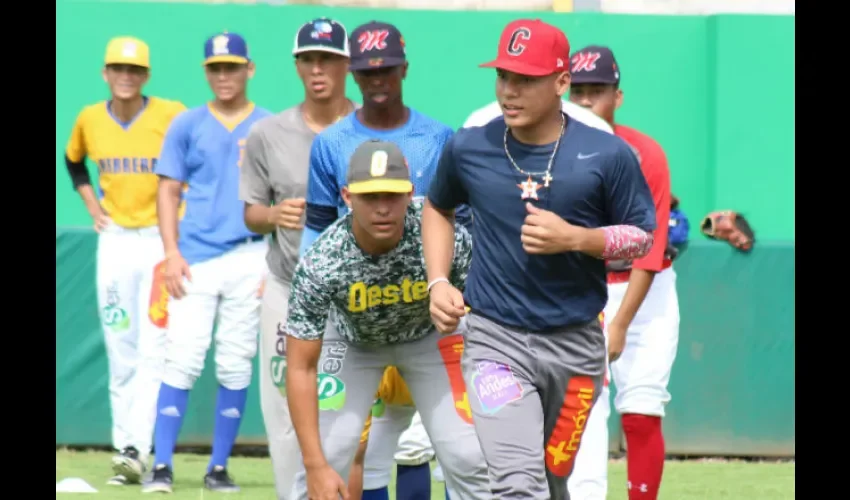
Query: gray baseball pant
{"type": "Point", "coordinates": [531, 394]}
{"type": "Point", "coordinates": [283, 443]}
{"type": "Point", "coordinates": [349, 376]}
{"type": "Point", "coordinates": [385, 445]}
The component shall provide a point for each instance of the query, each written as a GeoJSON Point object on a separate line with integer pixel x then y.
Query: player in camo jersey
{"type": "Point", "coordinates": [366, 271]}
{"type": "Point", "coordinates": [379, 65]}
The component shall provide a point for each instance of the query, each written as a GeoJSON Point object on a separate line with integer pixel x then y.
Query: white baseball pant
{"type": "Point", "coordinates": [226, 288]}
{"type": "Point", "coordinates": [126, 260]}
{"type": "Point", "coordinates": [283, 443]}
{"type": "Point", "coordinates": [642, 372]}
{"type": "Point", "coordinates": [414, 445]}
{"type": "Point", "coordinates": [641, 375]}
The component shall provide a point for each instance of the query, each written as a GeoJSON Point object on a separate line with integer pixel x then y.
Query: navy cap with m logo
{"type": "Point", "coordinates": [377, 45]}
{"type": "Point", "coordinates": [594, 64]}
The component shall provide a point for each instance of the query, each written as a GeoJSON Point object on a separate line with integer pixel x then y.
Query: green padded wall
{"type": "Point", "coordinates": [716, 92]}
{"type": "Point", "coordinates": [732, 383]}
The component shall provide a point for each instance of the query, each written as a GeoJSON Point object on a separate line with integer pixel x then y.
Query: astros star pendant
{"type": "Point", "coordinates": [529, 189]}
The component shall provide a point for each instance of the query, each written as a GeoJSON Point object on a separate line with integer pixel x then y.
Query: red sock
{"type": "Point", "coordinates": [644, 455]}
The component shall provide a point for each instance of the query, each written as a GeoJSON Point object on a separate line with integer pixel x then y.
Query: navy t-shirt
{"type": "Point", "coordinates": [596, 182]}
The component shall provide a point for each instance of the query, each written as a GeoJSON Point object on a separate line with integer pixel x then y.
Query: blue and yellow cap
{"type": "Point", "coordinates": [128, 50]}
{"type": "Point", "coordinates": [226, 48]}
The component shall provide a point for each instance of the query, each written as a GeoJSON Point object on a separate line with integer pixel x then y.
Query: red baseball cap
{"type": "Point", "coordinates": [532, 47]}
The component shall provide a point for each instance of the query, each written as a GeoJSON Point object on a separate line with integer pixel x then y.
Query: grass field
{"type": "Point", "coordinates": [683, 480]}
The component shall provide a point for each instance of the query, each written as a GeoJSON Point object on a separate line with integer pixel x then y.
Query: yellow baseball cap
{"type": "Point", "coordinates": [127, 50]}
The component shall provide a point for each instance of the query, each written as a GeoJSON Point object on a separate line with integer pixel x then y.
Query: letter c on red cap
{"type": "Point", "coordinates": [516, 45]}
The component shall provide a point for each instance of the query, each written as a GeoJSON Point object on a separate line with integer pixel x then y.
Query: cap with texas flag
{"type": "Point", "coordinates": [322, 35]}
{"type": "Point", "coordinates": [226, 48]}
{"type": "Point", "coordinates": [128, 50]}
{"type": "Point", "coordinates": [532, 47]}
{"type": "Point", "coordinates": [378, 167]}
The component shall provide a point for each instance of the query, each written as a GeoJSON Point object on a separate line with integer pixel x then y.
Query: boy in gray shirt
{"type": "Point", "coordinates": [273, 185]}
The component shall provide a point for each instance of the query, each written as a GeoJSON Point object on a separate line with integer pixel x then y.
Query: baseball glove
{"type": "Point", "coordinates": [731, 227]}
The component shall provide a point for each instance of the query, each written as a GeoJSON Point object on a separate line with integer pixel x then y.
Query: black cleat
{"type": "Point", "coordinates": [160, 480]}
{"type": "Point", "coordinates": [220, 481]}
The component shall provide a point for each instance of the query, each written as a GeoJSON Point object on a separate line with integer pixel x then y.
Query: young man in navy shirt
{"type": "Point", "coordinates": [553, 199]}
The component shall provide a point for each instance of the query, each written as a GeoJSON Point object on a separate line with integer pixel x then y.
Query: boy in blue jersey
{"type": "Point", "coordinates": [555, 199]}
{"type": "Point", "coordinates": [379, 65]}
{"type": "Point", "coordinates": [215, 266]}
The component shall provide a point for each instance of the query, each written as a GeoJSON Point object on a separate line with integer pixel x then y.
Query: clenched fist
{"type": "Point", "coordinates": [288, 213]}
{"type": "Point", "coordinates": [447, 307]}
{"type": "Point", "coordinates": [544, 232]}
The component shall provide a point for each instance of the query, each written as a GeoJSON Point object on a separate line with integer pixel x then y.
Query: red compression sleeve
{"type": "Point", "coordinates": [626, 243]}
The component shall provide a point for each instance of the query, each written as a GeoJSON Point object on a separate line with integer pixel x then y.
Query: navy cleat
{"type": "Point", "coordinates": [160, 480]}
{"type": "Point", "coordinates": [220, 481]}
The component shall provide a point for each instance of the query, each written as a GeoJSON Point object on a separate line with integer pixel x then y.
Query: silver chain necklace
{"type": "Point", "coordinates": [547, 174]}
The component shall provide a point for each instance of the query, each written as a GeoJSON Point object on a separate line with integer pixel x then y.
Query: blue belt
{"type": "Point", "coordinates": [254, 239]}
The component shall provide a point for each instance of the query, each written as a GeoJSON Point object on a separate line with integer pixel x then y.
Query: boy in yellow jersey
{"type": "Point", "coordinates": [123, 137]}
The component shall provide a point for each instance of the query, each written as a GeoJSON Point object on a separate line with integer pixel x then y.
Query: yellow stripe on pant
{"type": "Point", "coordinates": [392, 391]}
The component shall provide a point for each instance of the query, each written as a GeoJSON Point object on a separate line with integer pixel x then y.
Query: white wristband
{"type": "Point", "coordinates": [438, 280]}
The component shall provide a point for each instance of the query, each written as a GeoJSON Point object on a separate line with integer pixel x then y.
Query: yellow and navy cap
{"type": "Point", "coordinates": [378, 167]}
{"type": "Point", "coordinates": [226, 48]}
{"type": "Point", "coordinates": [128, 50]}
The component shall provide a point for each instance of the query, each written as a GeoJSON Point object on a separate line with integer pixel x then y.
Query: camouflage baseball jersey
{"type": "Point", "coordinates": [376, 300]}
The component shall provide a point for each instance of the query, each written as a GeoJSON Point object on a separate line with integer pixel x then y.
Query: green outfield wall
{"type": "Point", "coordinates": [717, 92]}
{"type": "Point", "coordinates": [732, 383]}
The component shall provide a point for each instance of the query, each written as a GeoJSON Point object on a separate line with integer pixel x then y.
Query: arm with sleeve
{"type": "Point", "coordinates": [630, 209]}
{"type": "Point", "coordinates": [75, 153]}
{"type": "Point", "coordinates": [322, 193]}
